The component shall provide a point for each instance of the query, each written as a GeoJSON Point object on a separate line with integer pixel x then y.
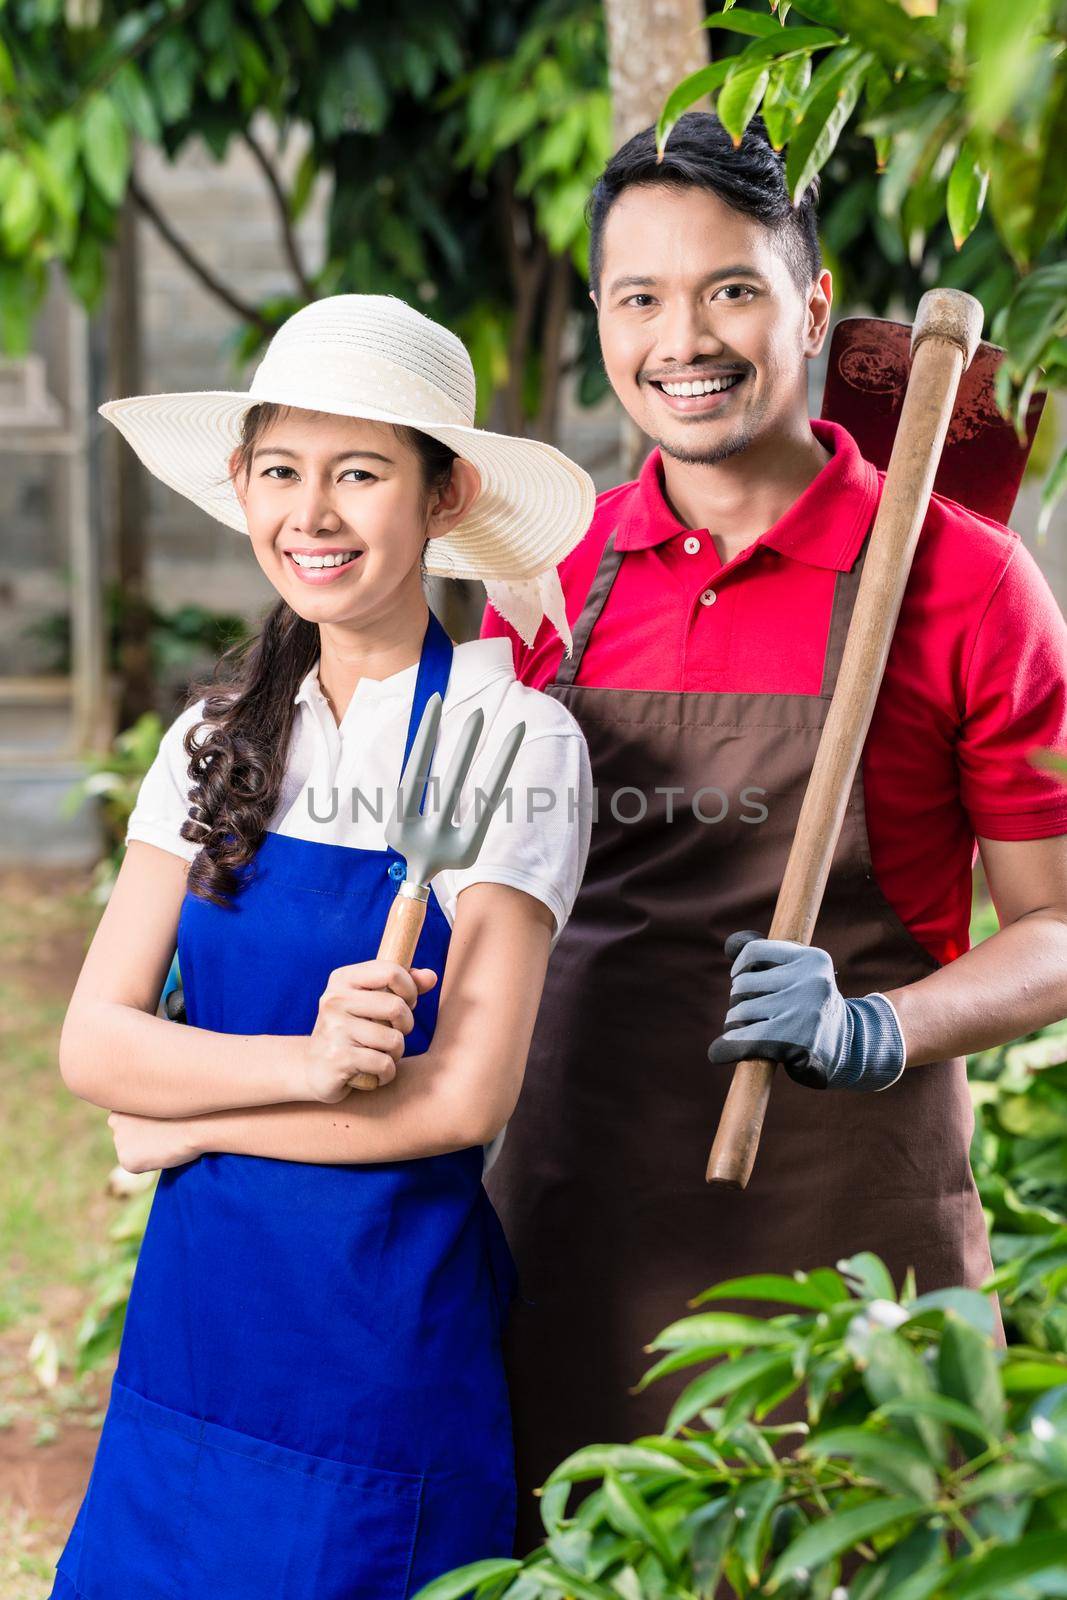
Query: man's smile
{"type": "Point", "coordinates": [696, 395]}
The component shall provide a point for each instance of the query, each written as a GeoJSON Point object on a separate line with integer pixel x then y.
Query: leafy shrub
{"type": "Point", "coordinates": [935, 1461]}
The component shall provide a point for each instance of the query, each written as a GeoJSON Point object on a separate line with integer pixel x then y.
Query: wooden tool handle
{"type": "Point", "coordinates": [945, 335]}
{"type": "Point", "coordinates": [402, 928]}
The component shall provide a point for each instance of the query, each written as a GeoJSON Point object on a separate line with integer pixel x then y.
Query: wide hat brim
{"type": "Point", "coordinates": [534, 507]}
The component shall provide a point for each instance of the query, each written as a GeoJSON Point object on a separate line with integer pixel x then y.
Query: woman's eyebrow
{"type": "Point", "coordinates": [345, 455]}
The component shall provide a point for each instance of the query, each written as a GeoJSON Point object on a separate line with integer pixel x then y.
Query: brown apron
{"type": "Point", "coordinates": [600, 1181]}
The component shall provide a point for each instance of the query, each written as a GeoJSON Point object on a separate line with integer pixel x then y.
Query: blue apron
{"type": "Point", "coordinates": [309, 1401]}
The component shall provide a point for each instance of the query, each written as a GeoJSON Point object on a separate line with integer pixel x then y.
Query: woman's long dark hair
{"type": "Point", "coordinates": [236, 767]}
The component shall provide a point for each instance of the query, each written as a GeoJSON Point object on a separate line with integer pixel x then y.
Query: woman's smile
{"type": "Point", "coordinates": [321, 566]}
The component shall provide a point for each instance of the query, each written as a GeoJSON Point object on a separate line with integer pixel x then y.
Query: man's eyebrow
{"type": "Point", "coordinates": [345, 455]}
{"type": "Point", "coordinates": [742, 269]}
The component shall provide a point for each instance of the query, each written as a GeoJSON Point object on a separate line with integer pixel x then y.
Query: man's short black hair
{"type": "Point", "coordinates": [700, 154]}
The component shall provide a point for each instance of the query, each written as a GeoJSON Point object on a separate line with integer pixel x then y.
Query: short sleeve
{"type": "Point", "coordinates": [538, 836]}
{"type": "Point", "coordinates": [1015, 704]}
{"type": "Point", "coordinates": [162, 803]}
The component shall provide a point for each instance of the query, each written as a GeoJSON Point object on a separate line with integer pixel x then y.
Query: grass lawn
{"type": "Point", "coordinates": [55, 1156]}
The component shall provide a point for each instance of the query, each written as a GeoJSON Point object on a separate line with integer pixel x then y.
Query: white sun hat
{"type": "Point", "coordinates": [373, 356]}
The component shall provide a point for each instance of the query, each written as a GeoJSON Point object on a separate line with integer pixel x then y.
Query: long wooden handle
{"type": "Point", "coordinates": [402, 928]}
{"type": "Point", "coordinates": [945, 335]}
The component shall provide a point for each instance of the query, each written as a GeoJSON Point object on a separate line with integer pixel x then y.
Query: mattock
{"type": "Point", "coordinates": [433, 842]}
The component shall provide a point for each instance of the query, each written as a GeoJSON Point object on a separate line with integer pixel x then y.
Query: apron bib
{"type": "Point", "coordinates": [309, 1401]}
{"type": "Point", "coordinates": [600, 1182]}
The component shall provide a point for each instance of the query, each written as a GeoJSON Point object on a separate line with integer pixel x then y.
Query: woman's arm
{"type": "Point", "coordinates": [459, 1093]}
{"type": "Point", "coordinates": [115, 1052]}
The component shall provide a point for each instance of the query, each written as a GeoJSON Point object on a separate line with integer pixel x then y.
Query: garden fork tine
{"type": "Point", "coordinates": [432, 842]}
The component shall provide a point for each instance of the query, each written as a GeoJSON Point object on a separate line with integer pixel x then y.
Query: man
{"type": "Point", "coordinates": [709, 604]}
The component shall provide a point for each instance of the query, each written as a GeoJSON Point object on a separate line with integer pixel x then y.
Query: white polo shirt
{"type": "Point", "coordinates": [340, 781]}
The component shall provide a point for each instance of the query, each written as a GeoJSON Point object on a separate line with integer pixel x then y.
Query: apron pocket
{"type": "Point", "coordinates": [131, 1525]}
{"type": "Point", "coordinates": [180, 1509]}
{"type": "Point", "coordinates": [268, 1520]}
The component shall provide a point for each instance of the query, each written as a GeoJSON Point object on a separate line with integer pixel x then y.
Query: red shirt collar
{"type": "Point", "coordinates": [824, 526]}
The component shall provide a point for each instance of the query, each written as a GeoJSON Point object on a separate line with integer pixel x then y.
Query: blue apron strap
{"type": "Point", "coordinates": [435, 665]}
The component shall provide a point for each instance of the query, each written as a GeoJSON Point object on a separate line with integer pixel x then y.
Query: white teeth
{"type": "Point", "coordinates": [702, 385]}
{"type": "Point", "coordinates": [324, 561]}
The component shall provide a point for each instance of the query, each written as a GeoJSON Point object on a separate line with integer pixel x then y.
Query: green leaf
{"type": "Point", "coordinates": [967, 185]}
{"type": "Point", "coordinates": [629, 1514]}
{"type": "Point", "coordinates": [936, 1408]}
{"type": "Point", "coordinates": [869, 1276]}
{"type": "Point", "coordinates": [130, 93]}
{"type": "Point", "coordinates": [724, 1330]}
{"type": "Point", "coordinates": [1037, 312]}
{"type": "Point", "coordinates": [172, 69]}
{"type": "Point", "coordinates": [894, 1462]}
{"type": "Point", "coordinates": [754, 1507]}
{"type": "Point", "coordinates": [788, 82]}
{"type": "Point", "coordinates": [722, 1379]}
{"type": "Point", "coordinates": [454, 1585]}
{"type": "Point", "coordinates": [789, 42]}
{"type": "Point", "coordinates": [824, 112]}
{"type": "Point", "coordinates": [21, 212]}
{"type": "Point", "coordinates": [893, 1371]}
{"type": "Point", "coordinates": [595, 1459]}
{"type": "Point", "coordinates": [698, 84]}
{"type": "Point", "coordinates": [1052, 492]}
{"type": "Point", "coordinates": [757, 23]}
{"type": "Point", "coordinates": [795, 1291]}
{"type": "Point", "coordinates": [739, 99]}
{"type": "Point", "coordinates": [832, 1535]}
{"type": "Point", "coordinates": [106, 147]}
{"type": "Point", "coordinates": [968, 1371]}
{"type": "Point", "coordinates": [990, 1574]}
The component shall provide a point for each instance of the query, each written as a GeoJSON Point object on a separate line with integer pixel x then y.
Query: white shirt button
{"type": "Point", "coordinates": [692, 545]}
{"type": "Point", "coordinates": [708, 598]}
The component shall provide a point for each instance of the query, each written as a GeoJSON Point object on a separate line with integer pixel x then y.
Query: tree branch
{"type": "Point", "coordinates": [197, 267]}
{"type": "Point", "coordinates": [281, 201]}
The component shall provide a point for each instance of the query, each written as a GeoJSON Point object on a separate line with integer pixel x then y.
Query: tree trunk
{"type": "Point", "coordinates": [137, 680]}
{"type": "Point", "coordinates": [652, 46]}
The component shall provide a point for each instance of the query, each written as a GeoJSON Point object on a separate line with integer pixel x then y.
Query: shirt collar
{"type": "Point", "coordinates": [474, 666]}
{"type": "Point", "coordinates": [824, 526]}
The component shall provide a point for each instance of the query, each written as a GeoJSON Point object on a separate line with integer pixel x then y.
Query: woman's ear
{"type": "Point", "coordinates": [451, 504]}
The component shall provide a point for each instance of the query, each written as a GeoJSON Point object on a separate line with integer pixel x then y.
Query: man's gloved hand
{"type": "Point", "coordinates": [785, 1006]}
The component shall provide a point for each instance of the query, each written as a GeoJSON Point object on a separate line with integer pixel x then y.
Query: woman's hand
{"type": "Point", "coordinates": [365, 1012]}
{"type": "Point", "coordinates": [148, 1144]}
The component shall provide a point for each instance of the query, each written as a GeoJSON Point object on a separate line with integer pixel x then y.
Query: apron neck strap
{"type": "Point", "coordinates": [610, 562]}
{"type": "Point", "coordinates": [845, 587]}
{"type": "Point", "coordinates": [435, 666]}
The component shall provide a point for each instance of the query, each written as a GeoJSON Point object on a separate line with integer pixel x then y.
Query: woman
{"type": "Point", "coordinates": [309, 1399]}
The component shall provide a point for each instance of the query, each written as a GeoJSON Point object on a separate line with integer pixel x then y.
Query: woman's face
{"type": "Point", "coordinates": [338, 514]}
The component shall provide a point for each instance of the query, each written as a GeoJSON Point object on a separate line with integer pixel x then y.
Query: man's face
{"type": "Point", "coordinates": [703, 330]}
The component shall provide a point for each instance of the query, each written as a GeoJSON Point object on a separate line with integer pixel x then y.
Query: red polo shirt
{"type": "Point", "coordinates": [976, 676]}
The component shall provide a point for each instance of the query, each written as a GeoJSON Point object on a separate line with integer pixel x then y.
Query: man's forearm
{"type": "Point", "coordinates": [413, 1116]}
{"type": "Point", "coordinates": [121, 1058]}
{"type": "Point", "coordinates": [1011, 984]}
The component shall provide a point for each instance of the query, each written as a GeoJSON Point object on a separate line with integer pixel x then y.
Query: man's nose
{"type": "Point", "coordinates": [686, 330]}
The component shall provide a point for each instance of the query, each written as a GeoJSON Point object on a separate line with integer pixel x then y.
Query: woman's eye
{"type": "Point", "coordinates": [359, 475]}
{"type": "Point", "coordinates": [269, 470]}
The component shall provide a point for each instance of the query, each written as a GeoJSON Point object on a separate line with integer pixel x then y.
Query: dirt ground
{"type": "Point", "coordinates": [55, 1156]}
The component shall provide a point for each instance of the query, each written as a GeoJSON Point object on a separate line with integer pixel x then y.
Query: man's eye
{"type": "Point", "coordinates": [737, 289]}
{"type": "Point", "coordinates": [639, 300]}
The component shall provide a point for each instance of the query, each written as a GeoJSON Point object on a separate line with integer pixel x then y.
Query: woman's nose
{"type": "Point", "coordinates": [316, 511]}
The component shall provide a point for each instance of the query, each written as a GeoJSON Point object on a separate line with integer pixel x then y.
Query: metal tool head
{"type": "Point", "coordinates": [433, 842]}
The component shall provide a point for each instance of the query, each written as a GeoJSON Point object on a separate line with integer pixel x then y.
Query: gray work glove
{"type": "Point", "coordinates": [785, 1006]}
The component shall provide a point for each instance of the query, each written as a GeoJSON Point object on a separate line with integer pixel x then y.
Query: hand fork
{"type": "Point", "coordinates": [433, 842]}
